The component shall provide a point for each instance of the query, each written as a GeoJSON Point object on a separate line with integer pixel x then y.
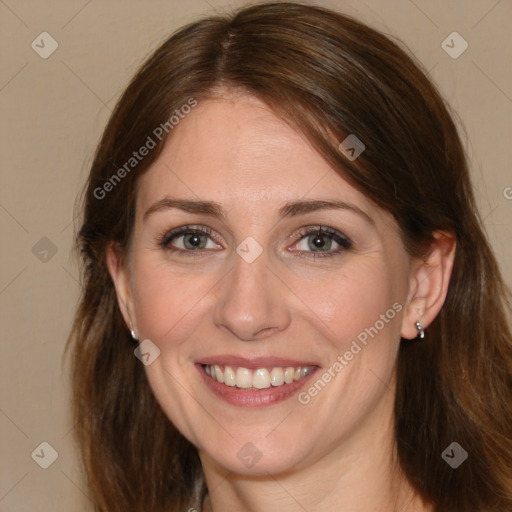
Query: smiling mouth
{"type": "Point", "coordinates": [258, 378]}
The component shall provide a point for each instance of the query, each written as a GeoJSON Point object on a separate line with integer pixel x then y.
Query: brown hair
{"type": "Point", "coordinates": [328, 76]}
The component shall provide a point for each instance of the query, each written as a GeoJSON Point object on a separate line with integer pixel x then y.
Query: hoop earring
{"type": "Point", "coordinates": [134, 336]}
{"type": "Point", "coordinates": [421, 331]}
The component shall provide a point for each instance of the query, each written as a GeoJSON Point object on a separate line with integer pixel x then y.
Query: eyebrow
{"type": "Point", "coordinates": [290, 209]}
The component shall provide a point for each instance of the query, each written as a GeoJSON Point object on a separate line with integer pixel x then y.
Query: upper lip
{"type": "Point", "coordinates": [253, 363]}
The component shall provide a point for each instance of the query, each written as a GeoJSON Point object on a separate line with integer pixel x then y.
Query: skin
{"type": "Point", "coordinates": [322, 455]}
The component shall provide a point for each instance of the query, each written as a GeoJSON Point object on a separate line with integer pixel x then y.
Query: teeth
{"type": "Point", "coordinates": [261, 378]}
{"type": "Point", "coordinates": [243, 378]}
{"type": "Point", "coordinates": [277, 377]}
{"type": "Point", "coordinates": [307, 370]}
{"type": "Point", "coordinates": [219, 374]}
{"type": "Point", "coordinates": [229, 376]}
{"type": "Point", "coordinates": [288, 374]}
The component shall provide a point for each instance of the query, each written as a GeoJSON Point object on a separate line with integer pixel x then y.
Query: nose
{"type": "Point", "coordinates": [251, 302]}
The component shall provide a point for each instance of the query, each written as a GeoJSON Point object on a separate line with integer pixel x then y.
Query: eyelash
{"type": "Point", "coordinates": [343, 241]}
{"type": "Point", "coordinates": [168, 236]}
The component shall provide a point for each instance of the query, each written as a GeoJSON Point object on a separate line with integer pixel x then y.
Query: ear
{"type": "Point", "coordinates": [429, 282]}
{"type": "Point", "coordinates": [121, 277]}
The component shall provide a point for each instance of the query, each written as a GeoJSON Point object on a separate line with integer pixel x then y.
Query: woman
{"type": "Point", "coordinates": [280, 217]}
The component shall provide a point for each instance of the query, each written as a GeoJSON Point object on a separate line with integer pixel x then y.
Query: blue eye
{"type": "Point", "coordinates": [322, 242]}
{"type": "Point", "coordinates": [313, 242]}
{"type": "Point", "coordinates": [188, 239]}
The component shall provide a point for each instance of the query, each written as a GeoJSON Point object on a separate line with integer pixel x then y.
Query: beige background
{"type": "Point", "coordinates": [53, 111]}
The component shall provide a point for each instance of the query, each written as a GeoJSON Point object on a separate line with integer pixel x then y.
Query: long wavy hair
{"type": "Point", "coordinates": [328, 76]}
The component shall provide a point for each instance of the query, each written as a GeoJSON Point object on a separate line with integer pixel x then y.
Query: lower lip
{"type": "Point", "coordinates": [251, 397]}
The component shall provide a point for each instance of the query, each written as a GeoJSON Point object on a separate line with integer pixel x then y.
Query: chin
{"type": "Point", "coordinates": [252, 460]}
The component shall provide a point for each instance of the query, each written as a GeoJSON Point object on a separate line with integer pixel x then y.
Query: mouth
{"type": "Point", "coordinates": [254, 383]}
{"type": "Point", "coordinates": [260, 378]}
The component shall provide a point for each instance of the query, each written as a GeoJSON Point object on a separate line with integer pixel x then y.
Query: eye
{"type": "Point", "coordinates": [314, 241]}
{"type": "Point", "coordinates": [321, 241]}
{"type": "Point", "coordinates": [188, 239]}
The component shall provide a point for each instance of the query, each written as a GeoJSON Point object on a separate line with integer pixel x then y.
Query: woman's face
{"type": "Point", "coordinates": [251, 258]}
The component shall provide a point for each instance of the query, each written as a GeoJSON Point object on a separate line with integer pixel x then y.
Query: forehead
{"type": "Point", "coordinates": [236, 151]}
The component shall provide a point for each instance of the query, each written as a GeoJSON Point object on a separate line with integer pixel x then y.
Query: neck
{"type": "Point", "coordinates": [361, 475]}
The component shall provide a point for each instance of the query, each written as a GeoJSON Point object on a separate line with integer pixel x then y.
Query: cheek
{"type": "Point", "coordinates": [358, 310]}
{"type": "Point", "coordinates": [357, 302]}
{"type": "Point", "coordinates": [166, 300]}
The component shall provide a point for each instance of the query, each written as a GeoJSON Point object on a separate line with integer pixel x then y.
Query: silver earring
{"type": "Point", "coordinates": [421, 331]}
{"type": "Point", "coordinates": [134, 336]}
